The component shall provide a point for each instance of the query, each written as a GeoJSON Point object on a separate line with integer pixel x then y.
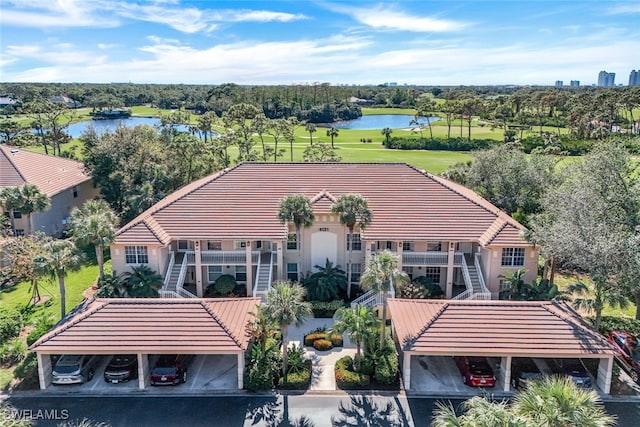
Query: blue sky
{"type": "Point", "coordinates": [299, 41]}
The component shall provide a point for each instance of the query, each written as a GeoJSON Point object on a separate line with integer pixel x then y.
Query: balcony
{"type": "Point", "coordinates": [222, 257]}
{"type": "Point", "coordinates": [430, 259]}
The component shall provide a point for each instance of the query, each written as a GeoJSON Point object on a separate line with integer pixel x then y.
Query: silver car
{"type": "Point", "coordinates": [73, 369]}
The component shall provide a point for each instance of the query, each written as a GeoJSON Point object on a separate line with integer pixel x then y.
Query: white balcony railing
{"type": "Point", "coordinates": [222, 257]}
{"type": "Point", "coordinates": [483, 285]}
{"type": "Point", "coordinates": [435, 259]}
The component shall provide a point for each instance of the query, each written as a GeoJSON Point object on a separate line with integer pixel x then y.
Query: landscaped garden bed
{"type": "Point", "coordinates": [323, 340]}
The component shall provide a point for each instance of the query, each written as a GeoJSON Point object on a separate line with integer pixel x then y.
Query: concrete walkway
{"type": "Point", "coordinates": [322, 376]}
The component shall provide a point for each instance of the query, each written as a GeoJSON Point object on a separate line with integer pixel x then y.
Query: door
{"type": "Point", "coordinates": [324, 245]}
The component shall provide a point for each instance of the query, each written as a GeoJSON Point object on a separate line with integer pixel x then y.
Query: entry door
{"type": "Point", "coordinates": [323, 245]}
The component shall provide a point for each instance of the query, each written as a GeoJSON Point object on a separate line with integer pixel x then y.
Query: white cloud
{"type": "Point", "coordinates": [260, 16]}
{"type": "Point", "coordinates": [106, 46]}
{"type": "Point", "coordinates": [623, 9]}
{"type": "Point", "coordinates": [388, 18]}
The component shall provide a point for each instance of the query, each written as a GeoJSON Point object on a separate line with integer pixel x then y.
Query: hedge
{"type": "Point", "coordinates": [611, 323]}
{"type": "Point", "coordinates": [297, 380]}
{"type": "Point", "coordinates": [322, 344]}
{"type": "Point", "coordinates": [335, 339]}
{"type": "Point", "coordinates": [346, 378]}
{"type": "Point", "coordinates": [11, 323]}
{"type": "Point", "coordinates": [387, 369]}
{"type": "Point", "coordinates": [325, 309]}
{"type": "Point", "coordinates": [453, 144]}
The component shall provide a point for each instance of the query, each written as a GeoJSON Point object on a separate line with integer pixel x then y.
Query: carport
{"type": "Point", "coordinates": [495, 329]}
{"type": "Point", "coordinates": [213, 328]}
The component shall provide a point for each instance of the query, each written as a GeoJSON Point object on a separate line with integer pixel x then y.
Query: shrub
{"type": "Point", "coordinates": [453, 144]}
{"type": "Point", "coordinates": [11, 323]}
{"type": "Point", "coordinates": [387, 369]}
{"type": "Point", "coordinates": [225, 284]}
{"type": "Point", "coordinates": [336, 340]}
{"type": "Point", "coordinates": [298, 380]}
{"type": "Point", "coordinates": [41, 327]}
{"type": "Point", "coordinates": [346, 378]}
{"type": "Point", "coordinates": [325, 309]}
{"type": "Point", "coordinates": [367, 365]}
{"type": "Point", "coordinates": [257, 378]}
{"type": "Point", "coordinates": [322, 344]}
{"type": "Point", "coordinates": [610, 323]}
{"type": "Point", "coordinates": [28, 368]}
{"type": "Point", "coordinates": [310, 338]}
{"type": "Point", "coordinates": [13, 351]}
{"type": "Point", "coordinates": [295, 359]}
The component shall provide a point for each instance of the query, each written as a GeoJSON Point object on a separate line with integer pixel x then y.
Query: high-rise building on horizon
{"type": "Point", "coordinates": [634, 78]}
{"type": "Point", "coordinates": [574, 83]}
{"type": "Point", "coordinates": [606, 79]}
{"type": "Point", "coordinates": [558, 83]}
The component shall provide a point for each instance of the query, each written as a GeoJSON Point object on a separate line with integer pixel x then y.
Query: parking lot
{"type": "Point", "coordinates": [206, 372]}
{"type": "Point", "coordinates": [439, 374]}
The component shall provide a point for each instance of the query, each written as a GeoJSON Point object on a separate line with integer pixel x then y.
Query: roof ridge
{"type": "Point", "coordinates": [10, 147]}
{"type": "Point", "coordinates": [151, 218]}
{"type": "Point", "coordinates": [65, 326]}
{"type": "Point", "coordinates": [430, 322]}
{"type": "Point", "coordinates": [220, 322]}
{"type": "Point", "coordinates": [498, 231]}
{"type": "Point", "coordinates": [321, 194]}
{"type": "Point", "coordinates": [569, 319]}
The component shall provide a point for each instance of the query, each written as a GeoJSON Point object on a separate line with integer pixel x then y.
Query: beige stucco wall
{"type": "Point", "coordinates": [492, 266]}
{"type": "Point", "coordinates": [158, 258]}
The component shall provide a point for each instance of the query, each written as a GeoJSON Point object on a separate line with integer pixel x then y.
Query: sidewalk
{"type": "Point", "coordinates": [322, 376]}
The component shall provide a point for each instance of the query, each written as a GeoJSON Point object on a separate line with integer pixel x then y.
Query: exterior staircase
{"type": "Point", "coordinates": [264, 275]}
{"type": "Point", "coordinates": [473, 275]}
{"type": "Point", "coordinates": [174, 274]}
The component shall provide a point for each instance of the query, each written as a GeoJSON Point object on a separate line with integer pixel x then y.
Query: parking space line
{"type": "Point", "coordinates": [197, 375]}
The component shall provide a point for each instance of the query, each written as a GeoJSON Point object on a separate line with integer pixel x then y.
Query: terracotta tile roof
{"type": "Point", "coordinates": [493, 328]}
{"type": "Point", "coordinates": [242, 202]}
{"type": "Point", "coordinates": [502, 233]}
{"type": "Point", "coordinates": [51, 174]}
{"type": "Point", "coordinates": [153, 326]}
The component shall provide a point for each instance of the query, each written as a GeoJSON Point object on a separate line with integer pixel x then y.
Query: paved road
{"type": "Point", "coordinates": [245, 410]}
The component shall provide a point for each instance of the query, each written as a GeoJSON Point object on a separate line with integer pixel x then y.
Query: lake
{"type": "Point", "coordinates": [102, 126]}
{"type": "Point", "coordinates": [379, 121]}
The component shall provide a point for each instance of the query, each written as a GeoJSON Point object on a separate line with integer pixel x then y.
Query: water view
{"type": "Point", "coordinates": [380, 121]}
{"type": "Point", "coordinates": [102, 126]}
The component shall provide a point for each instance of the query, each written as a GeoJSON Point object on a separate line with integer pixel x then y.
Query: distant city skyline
{"type": "Point", "coordinates": [456, 42]}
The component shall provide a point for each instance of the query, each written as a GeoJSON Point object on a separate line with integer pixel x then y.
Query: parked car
{"type": "Point", "coordinates": [170, 369]}
{"type": "Point", "coordinates": [73, 369]}
{"type": "Point", "coordinates": [476, 371]}
{"type": "Point", "coordinates": [574, 369]}
{"type": "Point", "coordinates": [627, 352]}
{"type": "Point", "coordinates": [121, 367]}
{"type": "Point", "coordinates": [524, 369]}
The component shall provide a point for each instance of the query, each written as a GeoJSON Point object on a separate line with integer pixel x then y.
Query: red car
{"type": "Point", "coordinates": [627, 352]}
{"type": "Point", "coordinates": [476, 371]}
{"type": "Point", "coordinates": [170, 370]}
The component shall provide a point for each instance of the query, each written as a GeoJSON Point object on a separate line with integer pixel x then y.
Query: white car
{"type": "Point", "coordinates": [73, 369]}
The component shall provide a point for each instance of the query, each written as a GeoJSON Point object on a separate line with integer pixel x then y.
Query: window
{"type": "Point", "coordinates": [512, 257]}
{"type": "Point", "coordinates": [214, 271]}
{"type": "Point", "coordinates": [354, 241]}
{"type": "Point", "coordinates": [259, 244]}
{"type": "Point", "coordinates": [292, 271]}
{"type": "Point", "coordinates": [19, 232]}
{"type": "Point", "coordinates": [75, 191]}
{"type": "Point", "coordinates": [433, 274]}
{"type": "Point", "coordinates": [356, 272]}
{"type": "Point", "coordinates": [185, 245]}
{"type": "Point", "coordinates": [292, 241]}
{"type": "Point", "coordinates": [434, 246]}
{"type": "Point", "coordinates": [240, 244]}
{"type": "Point", "coordinates": [409, 271]}
{"type": "Point", "coordinates": [17, 214]}
{"type": "Point", "coordinates": [136, 255]}
{"type": "Point", "coordinates": [241, 273]}
{"type": "Point", "coordinates": [214, 245]}
{"type": "Point", "coordinates": [385, 244]}
{"type": "Point", "coordinates": [407, 246]}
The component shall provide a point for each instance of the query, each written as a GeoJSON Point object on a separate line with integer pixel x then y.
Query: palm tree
{"type": "Point", "coordinates": [111, 286]}
{"type": "Point", "coordinates": [358, 322]}
{"type": "Point", "coordinates": [332, 132]}
{"type": "Point", "coordinates": [311, 128]}
{"type": "Point", "coordinates": [381, 273]}
{"type": "Point", "coordinates": [59, 258]}
{"type": "Point", "coordinates": [33, 201]}
{"type": "Point", "coordinates": [323, 285]}
{"type": "Point", "coordinates": [425, 110]}
{"type": "Point", "coordinates": [387, 133]}
{"type": "Point", "coordinates": [478, 412]}
{"type": "Point", "coordinates": [352, 209]}
{"type": "Point", "coordinates": [142, 282]}
{"type": "Point", "coordinates": [94, 223]}
{"type": "Point", "coordinates": [297, 210]}
{"type": "Point", "coordinates": [285, 306]}
{"type": "Point", "coordinates": [11, 199]}
{"type": "Point", "coordinates": [557, 401]}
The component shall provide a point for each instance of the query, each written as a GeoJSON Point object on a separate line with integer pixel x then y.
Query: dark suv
{"type": "Point", "coordinates": [524, 369]}
{"type": "Point", "coordinates": [121, 367]}
{"type": "Point", "coordinates": [627, 352]}
{"type": "Point", "coordinates": [170, 369]}
{"type": "Point", "coordinates": [574, 369]}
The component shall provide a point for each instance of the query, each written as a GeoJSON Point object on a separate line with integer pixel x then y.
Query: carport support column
{"type": "Point", "coordinates": [143, 370]}
{"type": "Point", "coordinates": [505, 369]}
{"type": "Point", "coordinates": [450, 265]}
{"type": "Point", "coordinates": [281, 245]}
{"type": "Point", "coordinates": [249, 268]}
{"type": "Point", "coordinates": [240, 371]}
{"type": "Point", "coordinates": [399, 252]}
{"type": "Point", "coordinates": [44, 370]}
{"type": "Point", "coordinates": [198, 255]}
{"type": "Point", "coordinates": [406, 371]}
{"type": "Point", "coordinates": [605, 368]}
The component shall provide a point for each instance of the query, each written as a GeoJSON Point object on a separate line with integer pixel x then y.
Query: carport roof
{"type": "Point", "coordinates": [153, 326]}
{"type": "Point", "coordinates": [492, 328]}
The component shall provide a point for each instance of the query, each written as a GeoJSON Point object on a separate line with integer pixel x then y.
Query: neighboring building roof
{"type": "Point", "coordinates": [7, 100]}
{"type": "Point", "coordinates": [153, 326]}
{"type": "Point", "coordinates": [243, 201]}
{"type": "Point", "coordinates": [51, 174]}
{"type": "Point", "coordinates": [494, 328]}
